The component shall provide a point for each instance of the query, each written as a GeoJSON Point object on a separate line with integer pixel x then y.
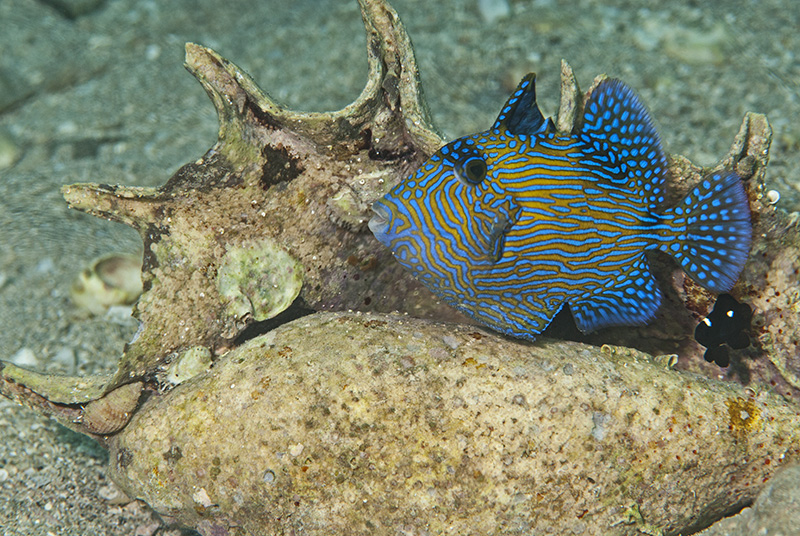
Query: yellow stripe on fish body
{"type": "Point", "coordinates": [511, 224]}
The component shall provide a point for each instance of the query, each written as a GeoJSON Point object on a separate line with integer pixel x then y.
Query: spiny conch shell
{"type": "Point", "coordinates": [112, 412]}
{"type": "Point", "coordinates": [302, 184]}
{"type": "Point", "coordinates": [295, 182]}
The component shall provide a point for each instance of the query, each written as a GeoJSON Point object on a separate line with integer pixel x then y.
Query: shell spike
{"type": "Point", "coordinates": [125, 204]}
{"type": "Point", "coordinates": [393, 81]}
{"type": "Point", "coordinates": [235, 95]}
{"type": "Point", "coordinates": [571, 99]}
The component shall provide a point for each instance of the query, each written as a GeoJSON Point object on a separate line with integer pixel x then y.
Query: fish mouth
{"type": "Point", "coordinates": [379, 223]}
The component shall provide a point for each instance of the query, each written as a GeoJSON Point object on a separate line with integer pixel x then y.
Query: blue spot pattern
{"type": "Point", "coordinates": [550, 219]}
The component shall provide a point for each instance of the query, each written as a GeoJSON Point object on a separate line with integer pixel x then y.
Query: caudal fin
{"type": "Point", "coordinates": [714, 241]}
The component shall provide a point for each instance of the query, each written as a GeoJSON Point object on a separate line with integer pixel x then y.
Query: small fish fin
{"type": "Point", "coordinates": [712, 231]}
{"type": "Point", "coordinates": [521, 114]}
{"type": "Point", "coordinates": [619, 133]}
{"type": "Point", "coordinates": [491, 236]}
{"type": "Point", "coordinates": [631, 300]}
{"type": "Point", "coordinates": [497, 241]}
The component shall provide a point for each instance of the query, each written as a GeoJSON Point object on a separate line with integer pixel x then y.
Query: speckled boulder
{"type": "Point", "coordinates": [345, 423]}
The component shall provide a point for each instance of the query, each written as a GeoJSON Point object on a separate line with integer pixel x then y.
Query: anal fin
{"type": "Point", "coordinates": [631, 299]}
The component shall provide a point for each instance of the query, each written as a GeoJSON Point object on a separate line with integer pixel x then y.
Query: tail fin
{"type": "Point", "coordinates": [712, 231]}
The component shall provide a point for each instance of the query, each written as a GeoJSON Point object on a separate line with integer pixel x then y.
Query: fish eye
{"type": "Point", "coordinates": [470, 169]}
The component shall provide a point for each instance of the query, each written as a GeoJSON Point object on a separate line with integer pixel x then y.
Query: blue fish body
{"type": "Point", "coordinates": [511, 224]}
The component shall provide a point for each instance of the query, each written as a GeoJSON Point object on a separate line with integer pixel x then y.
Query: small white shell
{"type": "Point", "coordinates": [773, 196]}
{"type": "Point", "coordinates": [667, 360]}
{"type": "Point", "coordinates": [109, 280]}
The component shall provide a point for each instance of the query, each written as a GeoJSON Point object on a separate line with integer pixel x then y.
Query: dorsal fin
{"type": "Point", "coordinates": [521, 114]}
{"type": "Point", "coordinates": [618, 132]}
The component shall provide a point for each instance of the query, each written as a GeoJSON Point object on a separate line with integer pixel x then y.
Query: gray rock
{"type": "Point", "coordinates": [776, 512]}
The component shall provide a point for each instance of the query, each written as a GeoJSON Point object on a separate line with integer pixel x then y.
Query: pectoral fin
{"type": "Point", "coordinates": [493, 236]}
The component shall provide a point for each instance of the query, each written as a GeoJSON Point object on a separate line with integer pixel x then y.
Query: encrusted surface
{"type": "Point", "coordinates": [343, 423]}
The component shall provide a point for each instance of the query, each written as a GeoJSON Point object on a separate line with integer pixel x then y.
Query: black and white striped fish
{"type": "Point", "coordinates": [511, 224]}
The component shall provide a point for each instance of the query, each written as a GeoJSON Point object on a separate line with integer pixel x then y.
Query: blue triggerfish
{"type": "Point", "coordinates": [510, 225]}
